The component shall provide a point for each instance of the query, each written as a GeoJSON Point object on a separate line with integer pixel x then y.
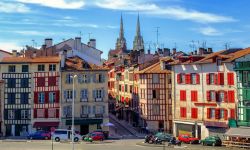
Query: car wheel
{"type": "Point", "coordinates": [57, 139]}
{"type": "Point", "coordinates": [213, 144]}
{"type": "Point", "coordinates": [46, 138]}
{"type": "Point", "coordinates": [76, 139]}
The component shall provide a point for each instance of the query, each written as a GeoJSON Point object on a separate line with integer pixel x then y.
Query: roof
{"type": "Point", "coordinates": [5, 52]}
{"type": "Point", "coordinates": [155, 68]}
{"type": "Point", "coordinates": [78, 64]}
{"type": "Point", "coordinates": [48, 59]}
{"type": "Point", "coordinates": [238, 132]}
{"type": "Point", "coordinates": [239, 54]}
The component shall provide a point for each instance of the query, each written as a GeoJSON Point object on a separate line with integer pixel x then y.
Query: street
{"type": "Point", "coordinates": [128, 144]}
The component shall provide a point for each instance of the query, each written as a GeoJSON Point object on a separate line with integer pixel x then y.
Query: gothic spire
{"type": "Point", "coordinates": [138, 30]}
{"type": "Point", "coordinates": [138, 43]}
{"type": "Point", "coordinates": [121, 41]}
{"type": "Point", "coordinates": [121, 29]}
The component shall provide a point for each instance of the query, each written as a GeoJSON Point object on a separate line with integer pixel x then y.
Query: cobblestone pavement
{"type": "Point", "coordinates": [128, 144]}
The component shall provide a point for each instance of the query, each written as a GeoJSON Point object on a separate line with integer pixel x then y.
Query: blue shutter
{"type": "Point", "coordinates": [103, 111]}
{"type": "Point", "coordinates": [93, 109]}
{"type": "Point", "coordinates": [65, 94]}
{"type": "Point", "coordinates": [89, 109]}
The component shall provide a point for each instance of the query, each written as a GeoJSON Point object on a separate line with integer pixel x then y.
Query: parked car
{"type": "Point", "coordinates": [39, 135]}
{"type": "Point", "coordinates": [163, 136]}
{"type": "Point", "coordinates": [174, 142]}
{"type": "Point", "coordinates": [187, 139]}
{"type": "Point", "coordinates": [94, 136]}
{"type": "Point", "coordinates": [211, 140]}
{"type": "Point", "coordinates": [64, 134]}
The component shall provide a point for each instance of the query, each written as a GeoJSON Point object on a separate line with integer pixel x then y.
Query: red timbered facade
{"type": "Point", "coordinates": [155, 98]}
{"type": "Point", "coordinates": [46, 95]}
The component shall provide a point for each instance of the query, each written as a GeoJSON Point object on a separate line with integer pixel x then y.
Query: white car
{"type": "Point", "coordinates": [64, 135]}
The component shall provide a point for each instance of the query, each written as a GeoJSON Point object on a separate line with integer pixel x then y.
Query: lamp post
{"type": "Point", "coordinates": [73, 112]}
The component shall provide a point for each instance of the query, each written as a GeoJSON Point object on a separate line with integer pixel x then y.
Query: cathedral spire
{"type": "Point", "coordinates": [138, 43]}
{"type": "Point", "coordinates": [121, 41]}
{"type": "Point", "coordinates": [121, 35]}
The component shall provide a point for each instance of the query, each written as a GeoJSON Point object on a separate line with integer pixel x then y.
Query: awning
{"type": "Point", "coordinates": [238, 132]}
{"type": "Point", "coordinates": [46, 124]}
{"type": "Point", "coordinates": [84, 121]}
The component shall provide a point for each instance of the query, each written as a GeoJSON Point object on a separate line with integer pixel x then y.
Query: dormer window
{"type": "Point", "coordinates": [218, 61]}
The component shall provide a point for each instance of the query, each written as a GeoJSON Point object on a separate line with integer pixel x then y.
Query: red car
{"type": "Point", "coordinates": [97, 136]}
{"type": "Point", "coordinates": [187, 139]}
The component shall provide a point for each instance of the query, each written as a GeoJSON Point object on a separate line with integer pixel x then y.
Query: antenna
{"type": "Point", "coordinates": [33, 43]}
{"type": "Point", "coordinates": [227, 45]}
{"type": "Point", "coordinates": [80, 34]}
{"type": "Point", "coordinates": [192, 45]}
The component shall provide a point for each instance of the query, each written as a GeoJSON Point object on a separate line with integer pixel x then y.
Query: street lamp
{"type": "Point", "coordinates": [73, 111]}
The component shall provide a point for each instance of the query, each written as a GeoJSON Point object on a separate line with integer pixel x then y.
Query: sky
{"type": "Point", "coordinates": [184, 24]}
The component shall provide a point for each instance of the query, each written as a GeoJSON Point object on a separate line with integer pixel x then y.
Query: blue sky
{"type": "Point", "coordinates": [214, 22]}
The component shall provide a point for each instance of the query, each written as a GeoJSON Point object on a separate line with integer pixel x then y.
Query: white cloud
{"type": "Point", "coordinates": [173, 12]}
{"type": "Point", "coordinates": [9, 46]}
{"type": "Point", "coordinates": [33, 33]}
{"type": "Point", "coordinates": [13, 8]}
{"type": "Point", "coordinates": [209, 31]}
{"type": "Point", "coordinates": [60, 4]}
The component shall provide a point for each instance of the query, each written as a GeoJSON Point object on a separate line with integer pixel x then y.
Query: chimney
{"type": "Point", "coordinates": [92, 43]}
{"type": "Point", "coordinates": [78, 43]}
{"type": "Point", "coordinates": [34, 54]}
{"type": "Point", "coordinates": [174, 50]}
{"type": "Point", "coordinates": [63, 55]}
{"type": "Point", "coordinates": [209, 50]}
{"type": "Point", "coordinates": [48, 42]}
{"type": "Point", "coordinates": [191, 53]}
{"type": "Point", "coordinates": [166, 52]}
{"type": "Point", "coordinates": [149, 51]}
{"type": "Point", "coordinates": [195, 52]}
{"type": "Point", "coordinates": [14, 53]}
{"type": "Point", "coordinates": [201, 51]}
{"type": "Point", "coordinates": [159, 51]}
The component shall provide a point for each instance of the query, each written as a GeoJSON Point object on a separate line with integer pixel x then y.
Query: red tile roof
{"type": "Point", "coordinates": [155, 68]}
{"type": "Point", "coordinates": [48, 59]}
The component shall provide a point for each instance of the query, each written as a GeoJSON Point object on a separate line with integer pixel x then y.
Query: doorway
{"type": "Point", "coordinates": [84, 129]}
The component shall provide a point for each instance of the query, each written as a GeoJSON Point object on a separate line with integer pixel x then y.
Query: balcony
{"type": "Point", "coordinates": [68, 116]}
{"type": "Point", "coordinates": [84, 115]}
{"type": "Point", "coordinates": [244, 123]}
{"type": "Point", "coordinates": [84, 99]}
{"type": "Point", "coordinates": [98, 115]}
{"type": "Point", "coordinates": [99, 99]}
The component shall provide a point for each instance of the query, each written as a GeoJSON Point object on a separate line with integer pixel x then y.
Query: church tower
{"type": "Point", "coordinates": [138, 43]}
{"type": "Point", "coordinates": [121, 41]}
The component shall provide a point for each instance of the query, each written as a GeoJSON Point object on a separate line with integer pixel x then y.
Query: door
{"type": "Point", "coordinates": [18, 129]}
{"type": "Point", "coordinates": [8, 130]}
{"type": "Point", "coordinates": [84, 129]}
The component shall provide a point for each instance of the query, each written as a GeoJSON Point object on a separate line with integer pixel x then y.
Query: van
{"type": "Point", "coordinates": [64, 134]}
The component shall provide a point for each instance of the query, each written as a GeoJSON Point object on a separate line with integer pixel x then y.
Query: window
{"type": "Point", "coordinates": [25, 68]}
{"type": "Point", "coordinates": [69, 80]}
{"type": "Point", "coordinates": [24, 82]}
{"type": "Point", "coordinates": [67, 111]}
{"type": "Point", "coordinates": [11, 83]}
{"type": "Point", "coordinates": [143, 93]}
{"type": "Point", "coordinates": [98, 94]}
{"type": "Point", "coordinates": [194, 113]}
{"type": "Point", "coordinates": [156, 109]}
{"type": "Point", "coordinates": [12, 68]}
{"type": "Point", "coordinates": [84, 95]}
{"type": "Point", "coordinates": [24, 98]}
{"type": "Point", "coordinates": [156, 78]}
{"type": "Point", "coordinates": [100, 110]}
{"type": "Point", "coordinates": [156, 94]}
{"type": "Point", "coordinates": [218, 61]}
{"type": "Point", "coordinates": [245, 78]}
{"type": "Point", "coordinates": [11, 114]}
{"type": "Point", "coordinates": [126, 88]}
{"type": "Point", "coordinates": [11, 98]}
{"type": "Point", "coordinates": [40, 81]}
{"type": "Point", "coordinates": [52, 113]}
{"type": "Point", "coordinates": [52, 67]}
{"type": "Point", "coordinates": [41, 97]}
{"type": "Point", "coordinates": [193, 78]}
{"type": "Point", "coordinates": [24, 114]}
{"type": "Point", "coordinates": [52, 97]}
{"type": "Point", "coordinates": [68, 95]}
{"type": "Point", "coordinates": [182, 78]}
{"type": "Point", "coordinates": [99, 78]}
{"type": "Point", "coordinates": [167, 66]}
{"type": "Point", "coordinates": [222, 113]}
{"type": "Point", "coordinates": [120, 87]}
{"type": "Point", "coordinates": [41, 68]}
{"type": "Point", "coordinates": [84, 110]}
{"type": "Point", "coordinates": [211, 78]}
{"type": "Point", "coordinates": [84, 78]}
{"type": "Point", "coordinates": [182, 95]}
{"type": "Point", "coordinates": [183, 112]}
{"type": "Point", "coordinates": [211, 95]}
{"type": "Point", "coordinates": [131, 89]}
{"type": "Point", "coordinates": [221, 96]}
{"type": "Point", "coordinates": [212, 113]}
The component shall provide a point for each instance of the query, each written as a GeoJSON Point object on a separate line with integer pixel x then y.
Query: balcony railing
{"type": "Point", "coordinates": [99, 115]}
{"type": "Point", "coordinates": [84, 115]}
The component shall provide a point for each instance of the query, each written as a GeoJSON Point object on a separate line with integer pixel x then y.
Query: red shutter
{"type": "Point", "coordinates": [197, 78]}
{"type": "Point", "coordinates": [46, 97]}
{"type": "Point", "coordinates": [184, 96]}
{"type": "Point", "coordinates": [35, 97]}
{"type": "Point", "coordinates": [187, 78]}
{"type": "Point", "coordinates": [221, 77]}
{"type": "Point", "coordinates": [232, 113]}
{"type": "Point", "coordinates": [194, 96]}
{"type": "Point", "coordinates": [208, 113]}
{"type": "Point", "coordinates": [35, 113]}
{"type": "Point", "coordinates": [207, 79]}
{"type": "Point", "coordinates": [57, 113]}
{"type": "Point", "coordinates": [208, 96]}
{"type": "Point", "coordinates": [217, 113]}
{"type": "Point", "coordinates": [215, 79]}
{"type": "Point", "coordinates": [185, 112]}
{"type": "Point", "coordinates": [181, 112]}
{"type": "Point", "coordinates": [46, 113]}
{"type": "Point", "coordinates": [57, 96]}
{"type": "Point", "coordinates": [179, 78]}
{"type": "Point", "coordinates": [231, 96]}
{"type": "Point", "coordinates": [225, 114]}
{"type": "Point", "coordinates": [230, 78]}
{"type": "Point", "coordinates": [194, 113]}
{"type": "Point", "coordinates": [225, 96]}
